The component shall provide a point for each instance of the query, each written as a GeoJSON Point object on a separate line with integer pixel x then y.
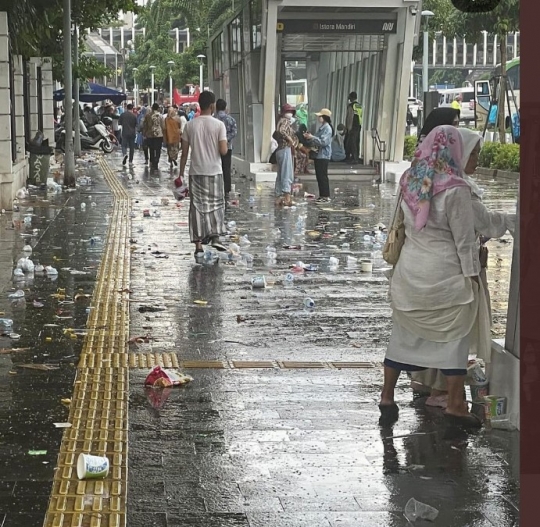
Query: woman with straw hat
{"type": "Point", "coordinates": [323, 140]}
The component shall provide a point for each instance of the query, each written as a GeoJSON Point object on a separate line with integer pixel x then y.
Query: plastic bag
{"type": "Point", "coordinates": [161, 378]}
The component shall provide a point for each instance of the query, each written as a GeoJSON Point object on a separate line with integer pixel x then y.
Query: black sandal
{"type": "Point", "coordinates": [389, 414]}
{"type": "Point", "coordinates": [463, 421]}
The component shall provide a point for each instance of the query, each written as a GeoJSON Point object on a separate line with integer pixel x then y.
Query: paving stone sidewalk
{"type": "Point", "coordinates": [279, 446]}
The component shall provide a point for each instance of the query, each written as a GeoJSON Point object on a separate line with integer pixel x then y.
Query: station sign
{"type": "Point", "coordinates": [333, 27]}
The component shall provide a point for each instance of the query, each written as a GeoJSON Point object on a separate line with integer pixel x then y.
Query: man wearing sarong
{"type": "Point", "coordinates": [207, 139]}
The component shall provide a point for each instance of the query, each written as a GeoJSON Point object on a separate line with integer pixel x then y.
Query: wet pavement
{"type": "Point", "coordinates": [63, 235]}
{"type": "Point", "coordinates": [294, 442]}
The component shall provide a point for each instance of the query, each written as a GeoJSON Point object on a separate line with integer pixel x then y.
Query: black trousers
{"type": "Point", "coordinates": [226, 162]}
{"type": "Point", "coordinates": [321, 171]}
{"type": "Point", "coordinates": [154, 148]}
{"type": "Point", "coordinates": [352, 144]}
{"type": "Point", "coordinates": [145, 149]}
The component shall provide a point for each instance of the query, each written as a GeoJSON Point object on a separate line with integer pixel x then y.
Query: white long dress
{"type": "Point", "coordinates": [434, 300]}
{"type": "Point", "coordinates": [491, 224]}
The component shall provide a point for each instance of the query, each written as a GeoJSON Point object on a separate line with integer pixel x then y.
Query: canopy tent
{"type": "Point", "coordinates": [91, 92]}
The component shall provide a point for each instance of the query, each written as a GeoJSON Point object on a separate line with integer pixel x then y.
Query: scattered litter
{"type": "Point", "coordinates": [140, 340]}
{"type": "Point", "coordinates": [201, 302]}
{"type": "Point", "coordinates": [18, 294]}
{"type": "Point", "coordinates": [50, 270]}
{"type": "Point", "coordinates": [38, 304]}
{"type": "Point", "coordinates": [9, 351]}
{"type": "Point", "coordinates": [37, 452]}
{"type": "Point", "coordinates": [14, 336]}
{"type": "Point", "coordinates": [416, 510]}
{"type": "Point", "coordinates": [240, 318]}
{"type": "Point", "coordinates": [309, 303]}
{"type": "Point", "coordinates": [258, 282]}
{"type": "Point", "coordinates": [62, 425]}
{"type": "Point", "coordinates": [161, 378]}
{"type": "Point", "coordinates": [92, 467]}
{"type": "Point", "coordinates": [65, 402]}
{"type": "Point", "coordinates": [27, 249]}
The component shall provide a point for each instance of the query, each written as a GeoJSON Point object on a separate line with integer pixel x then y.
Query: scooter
{"type": "Point", "coordinates": [99, 140]}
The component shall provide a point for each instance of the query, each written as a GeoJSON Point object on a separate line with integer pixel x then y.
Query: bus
{"type": "Point", "coordinates": [488, 86]}
{"type": "Point", "coordinates": [297, 92]}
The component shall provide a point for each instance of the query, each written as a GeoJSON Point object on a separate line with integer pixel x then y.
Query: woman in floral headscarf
{"type": "Point", "coordinates": [434, 287]}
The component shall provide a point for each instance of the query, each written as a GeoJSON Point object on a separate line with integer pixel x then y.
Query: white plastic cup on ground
{"type": "Point", "coordinates": [309, 303]}
{"type": "Point", "coordinates": [258, 282]}
{"type": "Point", "coordinates": [351, 261]}
{"type": "Point", "coordinates": [233, 187]}
{"type": "Point", "coordinates": [367, 266]}
{"type": "Point", "coordinates": [333, 261]}
{"type": "Point", "coordinates": [92, 467]}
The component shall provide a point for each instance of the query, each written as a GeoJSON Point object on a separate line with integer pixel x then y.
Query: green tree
{"type": "Point", "coordinates": [35, 27]}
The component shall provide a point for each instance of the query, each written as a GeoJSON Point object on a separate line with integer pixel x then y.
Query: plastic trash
{"type": "Point", "coordinates": [18, 273]}
{"type": "Point", "coordinates": [51, 270]}
{"type": "Point", "coordinates": [248, 260]}
{"type": "Point", "coordinates": [288, 280]}
{"type": "Point", "coordinates": [346, 246]}
{"type": "Point", "coordinates": [83, 205]}
{"type": "Point", "coordinates": [27, 249]}
{"type": "Point", "coordinates": [39, 268]}
{"type": "Point", "coordinates": [351, 261]}
{"type": "Point", "coordinates": [244, 241]}
{"type": "Point", "coordinates": [258, 282]}
{"type": "Point", "coordinates": [333, 261]}
{"type": "Point", "coordinates": [27, 220]}
{"type": "Point", "coordinates": [18, 294]}
{"type": "Point", "coordinates": [416, 510]}
{"type": "Point", "coordinates": [309, 303]}
{"type": "Point", "coordinates": [6, 323]}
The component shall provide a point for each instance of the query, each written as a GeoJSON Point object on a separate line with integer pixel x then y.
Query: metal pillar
{"type": "Point", "coordinates": [76, 95]}
{"type": "Point", "coordinates": [69, 160]}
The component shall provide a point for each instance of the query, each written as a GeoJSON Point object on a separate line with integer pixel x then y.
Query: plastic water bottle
{"type": "Point", "coordinates": [248, 259]}
{"type": "Point", "coordinates": [288, 281]}
{"type": "Point", "coordinates": [309, 303]}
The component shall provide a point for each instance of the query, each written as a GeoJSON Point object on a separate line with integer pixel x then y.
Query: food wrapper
{"type": "Point", "coordinates": [161, 378]}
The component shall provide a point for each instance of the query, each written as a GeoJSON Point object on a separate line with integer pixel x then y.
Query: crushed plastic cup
{"type": "Point", "coordinates": [416, 510]}
{"type": "Point", "coordinates": [258, 282]}
{"type": "Point", "coordinates": [6, 323]}
{"type": "Point", "coordinates": [309, 303]}
{"type": "Point", "coordinates": [333, 261]}
{"type": "Point", "coordinates": [92, 467]}
{"type": "Point", "coordinates": [289, 279]}
{"type": "Point", "coordinates": [351, 261]}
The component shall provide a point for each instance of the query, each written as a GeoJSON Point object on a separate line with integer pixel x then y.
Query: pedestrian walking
{"type": "Point", "coordinates": [285, 137]}
{"type": "Point", "coordinates": [232, 132]}
{"type": "Point", "coordinates": [435, 290]}
{"type": "Point", "coordinates": [487, 224]}
{"type": "Point", "coordinates": [207, 139]}
{"type": "Point", "coordinates": [141, 140]}
{"type": "Point", "coordinates": [172, 135]}
{"type": "Point", "coordinates": [323, 140]}
{"type": "Point", "coordinates": [153, 131]}
{"type": "Point", "coordinates": [353, 125]}
{"type": "Point", "coordinates": [128, 122]}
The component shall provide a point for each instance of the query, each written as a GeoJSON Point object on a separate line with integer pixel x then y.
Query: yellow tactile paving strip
{"type": "Point", "coordinates": [170, 360]}
{"type": "Point", "coordinates": [99, 406]}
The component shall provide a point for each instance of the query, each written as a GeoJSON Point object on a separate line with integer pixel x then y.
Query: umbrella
{"type": "Point", "coordinates": [92, 92]}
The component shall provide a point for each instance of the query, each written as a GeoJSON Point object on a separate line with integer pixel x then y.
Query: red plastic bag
{"type": "Point", "coordinates": [178, 182]}
{"type": "Point", "coordinates": [162, 378]}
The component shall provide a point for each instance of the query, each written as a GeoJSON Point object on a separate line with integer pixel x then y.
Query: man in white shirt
{"type": "Point", "coordinates": [207, 139]}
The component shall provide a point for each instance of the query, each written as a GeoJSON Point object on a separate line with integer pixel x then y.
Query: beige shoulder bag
{"type": "Point", "coordinates": [396, 235]}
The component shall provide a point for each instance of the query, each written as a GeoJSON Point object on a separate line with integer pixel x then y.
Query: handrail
{"type": "Point", "coordinates": [381, 146]}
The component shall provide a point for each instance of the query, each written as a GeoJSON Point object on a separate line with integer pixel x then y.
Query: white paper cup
{"type": "Point", "coordinates": [233, 187]}
{"type": "Point", "coordinates": [258, 282]}
{"type": "Point", "coordinates": [92, 467]}
{"type": "Point", "coordinates": [366, 266]}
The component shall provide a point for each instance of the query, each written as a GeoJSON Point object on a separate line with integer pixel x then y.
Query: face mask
{"type": "Point", "coordinates": [288, 115]}
{"type": "Point", "coordinates": [341, 132]}
{"type": "Point", "coordinates": [293, 120]}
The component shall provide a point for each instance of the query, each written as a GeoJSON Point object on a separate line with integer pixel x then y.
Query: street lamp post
{"type": "Point", "coordinates": [135, 87]}
{"type": "Point", "coordinates": [153, 78]}
{"type": "Point", "coordinates": [171, 64]}
{"type": "Point", "coordinates": [201, 67]}
{"type": "Point", "coordinates": [425, 58]}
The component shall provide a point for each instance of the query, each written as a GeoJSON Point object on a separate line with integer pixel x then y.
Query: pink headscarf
{"type": "Point", "coordinates": [436, 167]}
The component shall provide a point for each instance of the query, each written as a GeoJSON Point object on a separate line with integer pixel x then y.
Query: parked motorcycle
{"type": "Point", "coordinates": [92, 138]}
